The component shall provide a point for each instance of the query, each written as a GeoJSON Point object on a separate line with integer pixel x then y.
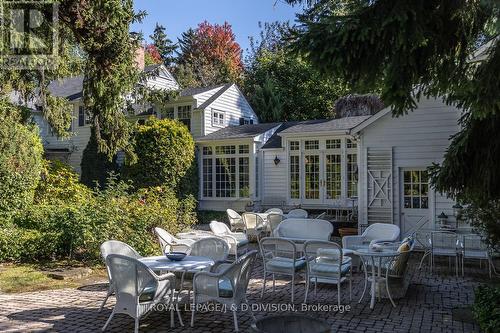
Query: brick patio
{"type": "Point", "coordinates": [427, 307]}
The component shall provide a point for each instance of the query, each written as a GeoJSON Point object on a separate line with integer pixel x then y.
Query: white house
{"type": "Point", "coordinates": [376, 162]}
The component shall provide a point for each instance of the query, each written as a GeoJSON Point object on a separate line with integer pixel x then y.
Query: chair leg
{"type": "Point", "coordinates": [338, 292]}
{"type": "Point", "coordinates": [315, 287]}
{"type": "Point", "coordinates": [456, 266]}
{"type": "Point", "coordinates": [108, 321]}
{"type": "Point", "coordinates": [263, 286]}
{"type": "Point", "coordinates": [307, 290]}
{"type": "Point", "coordinates": [274, 284]}
{"type": "Point", "coordinates": [136, 328]}
{"type": "Point", "coordinates": [350, 285]}
{"type": "Point", "coordinates": [293, 282]}
{"type": "Point", "coordinates": [463, 266]}
{"type": "Point", "coordinates": [235, 319]}
{"type": "Point", "coordinates": [108, 293]}
{"type": "Point", "coordinates": [193, 310]}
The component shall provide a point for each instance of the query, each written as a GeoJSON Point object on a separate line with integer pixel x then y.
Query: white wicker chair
{"type": "Point", "coordinates": [326, 262]}
{"type": "Point", "coordinates": [273, 221]}
{"type": "Point", "coordinates": [138, 288]}
{"type": "Point", "coordinates": [237, 241]}
{"type": "Point", "coordinates": [320, 216]}
{"type": "Point", "coordinates": [375, 233]}
{"type": "Point", "coordinates": [254, 225]}
{"type": "Point", "coordinates": [235, 220]}
{"type": "Point", "coordinates": [227, 285]}
{"type": "Point", "coordinates": [297, 213]}
{"type": "Point", "coordinates": [280, 258]}
{"type": "Point", "coordinates": [115, 247]}
{"type": "Point", "coordinates": [274, 210]}
{"type": "Point", "coordinates": [444, 244]}
{"type": "Point", "coordinates": [170, 243]}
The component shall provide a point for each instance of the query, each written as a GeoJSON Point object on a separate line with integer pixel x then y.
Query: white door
{"type": "Point", "coordinates": [415, 213]}
{"type": "Point", "coordinates": [312, 177]}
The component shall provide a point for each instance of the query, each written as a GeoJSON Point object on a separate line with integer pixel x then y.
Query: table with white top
{"type": "Point", "coordinates": [376, 277]}
{"type": "Point", "coordinates": [191, 264]}
{"type": "Point", "coordinates": [195, 235]}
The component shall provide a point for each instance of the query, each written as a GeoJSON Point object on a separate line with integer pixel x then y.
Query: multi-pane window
{"type": "Point", "coordinates": [416, 189]}
{"type": "Point", "coordinates": [244, 177]}
{"type": "Point", "coordinates": [184, 115]}
{"type": "Point", "coordinates": [311, 173]}
{"type": "Point", "coordinates": [83, 117]}
{"type": "Point", "coordinates": [294, 145]}
{"type": "Point", "coordinates": [333, 144]}
{"type": "Point", "coordinates": [168, 113]}
{"type": "Point", "coordinates": [218, 118]}
{"type": "Point", "coordinates": [295, 177]}
{"type": "Point", "coordinates": [352, 175]}
{"type": "Point", "coordinates": [333, 168]}
{"type": "Point", "coordinates": [311, 144]}
{"type": "Point", "coordinates": [226, 171]}
{"type": "Point", "coordinates": [207, 177]}
{"type": "Point", "coordinates": [351, 144]}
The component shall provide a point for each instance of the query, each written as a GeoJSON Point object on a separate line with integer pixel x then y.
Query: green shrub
{"type": "Point", "coordinates": [17, 244]}
{"type": "Point", "coordinates": [486, 308]}
{"type": "Point", "coordinates": [207, 216]}
{"type": "Point", "coordinates": [165, 152]}
{"type": "Point", "coordinates": [21, 154]}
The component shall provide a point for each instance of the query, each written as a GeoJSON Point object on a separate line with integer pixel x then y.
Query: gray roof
{"type": "Point", "coordinates": [200, 90]}
{"type": "Point", "coordinates": [239, 132]}
{"type": "Point", "coordinates": [70, 87]}
{"type": "Point", "coordinates": [215, 96]}
{"type": "Point", "coordinates": [275, 140]}
{"type": "Point", "coordinates": [327, 125]}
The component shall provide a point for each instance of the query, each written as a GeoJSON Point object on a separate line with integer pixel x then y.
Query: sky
{"type": "Point", "coordinates": [244, 15]}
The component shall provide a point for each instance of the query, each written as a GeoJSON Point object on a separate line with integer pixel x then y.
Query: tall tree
{"type": "Point", "coordinates": [421, 48]}
{"type": "Point", "coordinates": [164, 45]}
{"type": "Point", "coordinates": [282, 86]}
{"type": "Point", "coordinates": [209, 55]}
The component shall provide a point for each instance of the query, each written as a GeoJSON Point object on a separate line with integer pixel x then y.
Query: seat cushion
{"type": "Point", "coordinates": [242, 242]}
{"type": "Point", "coordinates": [225, 288]}
{"type": "Point", "coordinates": [284, 265]}
{"type": "Point", "coordinates": [326, 269]}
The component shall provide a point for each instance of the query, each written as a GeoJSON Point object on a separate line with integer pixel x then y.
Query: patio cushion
{"type": "Point", "coordinates": [329, 254]}
{"type": "Point", "coordinates": [328, 269]}
{"type": "Point", "coordinates": [284, 265]}
{"type": "Point", "coordinates": [225, 288]}
{"type": "Point", "coordinates": [242, 242]}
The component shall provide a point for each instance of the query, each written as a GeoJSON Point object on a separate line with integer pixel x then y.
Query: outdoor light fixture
{"type": "Point", "coordinates": [277, 160]}
{"type": "Point", "coordinates": [443, 219]}
{"type": "Point", "coordinates": [457, 210]}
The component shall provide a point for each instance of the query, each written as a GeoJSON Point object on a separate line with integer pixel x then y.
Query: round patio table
{"type": "Point", "coordinates": [376, 277]}
{"type": "Point", "coordinates": [191, 264]}
{"type": "Point", "coordinates": [194, 235]}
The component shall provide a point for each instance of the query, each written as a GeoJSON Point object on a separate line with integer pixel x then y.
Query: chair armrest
{"type": "Point", "coordinates": [349, 241]}
{"type": "Point", "coordinates": [220, 266]}
{"type": "Point", "coordinates": [167, 276]}
{"type": "Point", "coordinates": [375, 241]}
{"type": "Point", "coordinates": [207, 283]}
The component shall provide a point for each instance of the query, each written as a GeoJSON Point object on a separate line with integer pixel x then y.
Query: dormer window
{"type": "Point", "coordinates": [83, 117]}
{"type": "Point", "coordinates": [184, 115]}
{"type": "Point", "coordinates": [218, 118]}
{"type": "Point", "coordinates": [246, 121]}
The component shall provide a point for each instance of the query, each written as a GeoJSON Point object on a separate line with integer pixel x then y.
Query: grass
{"type": "Point", "coordinates": [25, 278]}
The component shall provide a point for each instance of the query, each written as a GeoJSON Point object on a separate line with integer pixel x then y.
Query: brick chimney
{"type": "Point", "coordinates": [139, 57]}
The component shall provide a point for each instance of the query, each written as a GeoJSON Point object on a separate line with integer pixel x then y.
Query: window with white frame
{"type": "Point", "coordinates": [226, 171]}
{"type": "Point", "coordinates": [218, 118]}
{"type": "Point", "coordinates": [416, 189]}
{"type": "Point", "coordinates": [168, 113]}
{"type": "Point", "coordinates": [184, 115]}
{"type": "Point", "coordinates": [83, 116]}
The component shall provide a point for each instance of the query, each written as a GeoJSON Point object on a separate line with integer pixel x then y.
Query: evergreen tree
{"type": "Point", "coordinates": [268, 102]}
{"type": "Point", "coordinates": [95, 166]}
{"type": "Point", "coordinates": [164, 45]}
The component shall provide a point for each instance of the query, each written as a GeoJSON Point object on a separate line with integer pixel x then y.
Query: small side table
{"type": "Point", "coordinates": [376, 278]}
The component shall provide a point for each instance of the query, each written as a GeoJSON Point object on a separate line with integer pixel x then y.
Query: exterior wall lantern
{"type": "Point", "coordinates": [457, 211]}
{"type": "Point", "coordinates": [277, 160]}
{"type": "Point", "coordinates": [443, 219]}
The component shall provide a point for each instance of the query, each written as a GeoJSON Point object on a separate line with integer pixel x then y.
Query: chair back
{"type": "Point", "coordinates": [320, 216]}
{"type": "Point", "coordinates": [274, 221]}
{"type": "Point", "coordinates": [385, 231]}
{"type": "Point", "coordinates": [307, 229]}
{"type": "Point", "coordinates": [274, 247]}
{"type": "Point", "coordinates": [211, 247]}
{"type": "Point", "coordinates": [130, 278]}
{"type": "Point", "coordinates": [274, 210]}
{"type": "Point", "coordinates": [165, 239]}
{"type": "Point", "coordinates": [323, 253]}
{"type": "Point", "coordinates": [252, 221]}
{"type": "Point", "coordinates": [233, 217]}
{"type": "Point", "coordinates": [117, 247]}
{"type": "Point", "coordinates": [444, 240]}
{"type": "Point", "coordinates": [474, 246]}
{"type": "Point", "coordinates": [219, 228]}
{"type": "Point", "coordinates": [298, 213]}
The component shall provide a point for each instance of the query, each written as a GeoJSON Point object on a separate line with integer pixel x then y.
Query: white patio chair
{"type": "Point", "coordinates": [326, 262]}
{"type": "Point", "coordinates": [473, 247]}
{"type": "Point", "coordinates": [237, 241]}
{"type": "Point", "coordinates": [169, 243]}
{"type": "Point", "coordinates": [297, 213]}
{"type": "Point", "coordinates": [235, 220]}
{"type": "Point", "coordinates": [138, 288]}
{"type": "Point", "coordinates": [254, 225]}
{"type": "Point", "coordinates": [227, 285]}
{"type": "Point", "coordinates": [273, 221]}
{"type": "Point", "coordinates": [274, 210]}
{"type": "Point", "coordinates": [115, 247]}
{"type": "Point", "coordinates": [444, 244]}
{"type": "Point", "coordinates": [280, 258]}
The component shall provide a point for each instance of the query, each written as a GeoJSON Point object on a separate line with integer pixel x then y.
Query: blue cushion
{"type": "Point", "coordinates": [225, 288]}
{"type": "Point", "coordinates": [148, 294]}
{"type": "Point", "coordinates": [285, 265]}
{"type": "Point", "coordinates": [242, 242]}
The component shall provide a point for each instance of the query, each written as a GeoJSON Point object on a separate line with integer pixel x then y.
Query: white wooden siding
{"type": "Point", "coordinates": [417, 140]}
{"type": "Point", "coordinates": [233, 104]}
{"type": "Point", "coordinates": [274, 177]}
